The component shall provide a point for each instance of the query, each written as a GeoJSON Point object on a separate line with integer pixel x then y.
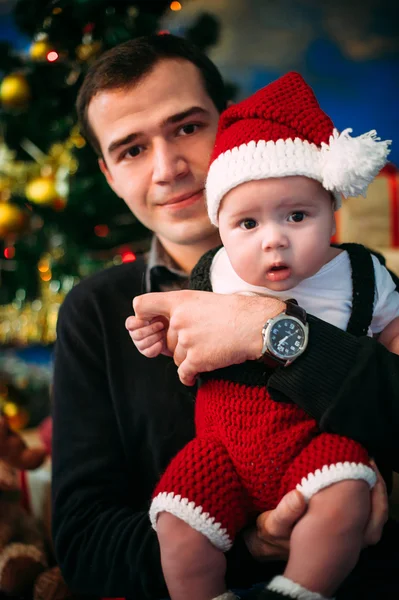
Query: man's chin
{"type": "Point", "coordinates": [192, 235]}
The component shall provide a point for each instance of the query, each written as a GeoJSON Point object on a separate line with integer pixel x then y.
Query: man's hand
{"type": "Point", "coordinates": [208, 331]}
{"type": "Point", "coordinates": [15, 452]}
{"type": "Point", "coordinates": [149, 337]}
{"type": "Point", "coordinates": [379, 511]}
{"type": "Point", "coordinates": [270, 539]}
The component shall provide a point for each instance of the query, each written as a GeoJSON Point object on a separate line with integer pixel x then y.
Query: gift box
{"type": "Point", "coordinates": [391, 256]}
{"type": "Point", "coordinates": [374, 220]}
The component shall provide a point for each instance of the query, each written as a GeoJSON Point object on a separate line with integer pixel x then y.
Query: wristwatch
{"type": "Point", "coordinates": [285, 337]}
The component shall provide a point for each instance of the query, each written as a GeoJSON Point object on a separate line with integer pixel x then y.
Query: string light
{"type": "Point", "coordinates": [128, 256]}
{"type": "Point", "coordinates": [43, 266]}
{"type": "Point", "coordinates": [45, 276]}
{"type": "Point", "coordinates": [52, 56]}
{"type": "Point", "coordinates": [175, 6]}
{"type": "Point", "coordinates": [9, 252]}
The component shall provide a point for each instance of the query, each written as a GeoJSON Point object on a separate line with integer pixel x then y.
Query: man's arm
{"type": "Point", "coordinates": [350, 385]}
{"type": "Point", "coordinates": [104, 544]}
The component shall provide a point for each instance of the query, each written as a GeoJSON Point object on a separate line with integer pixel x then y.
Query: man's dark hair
{"type": "Point", "coordinates": [126, 64]}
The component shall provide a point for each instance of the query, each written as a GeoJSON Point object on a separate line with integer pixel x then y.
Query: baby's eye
{"type": "Point", "coordinates": [296, 217]}
{"type": "Point", "coordinates": [248, 224]}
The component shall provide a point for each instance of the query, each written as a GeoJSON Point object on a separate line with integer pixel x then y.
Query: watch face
{"type": "Point", "coordinates": [287, 337]}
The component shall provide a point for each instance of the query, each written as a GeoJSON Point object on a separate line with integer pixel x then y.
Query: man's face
{"type": "Point", "coordinates": [156, 139]}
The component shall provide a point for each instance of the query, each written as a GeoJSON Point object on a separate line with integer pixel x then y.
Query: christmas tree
{"type": "Point", "coordinates": [59, 220]}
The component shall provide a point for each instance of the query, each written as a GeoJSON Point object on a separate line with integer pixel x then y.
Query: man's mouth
{"type": "Point", "coordinates": [183, 199]}
{"type": "Point", "coordinates": [278, 272]}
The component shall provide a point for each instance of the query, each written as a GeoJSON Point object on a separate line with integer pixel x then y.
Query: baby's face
{"type": "Point", "coordinates": [277, 231]}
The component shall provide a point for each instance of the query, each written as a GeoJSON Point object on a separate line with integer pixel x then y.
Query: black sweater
{"type": "Point", "coordinates": [120, 417]}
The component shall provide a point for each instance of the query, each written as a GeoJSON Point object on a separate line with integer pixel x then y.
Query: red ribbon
{"type": "Point", "coordinates": [25, 496]}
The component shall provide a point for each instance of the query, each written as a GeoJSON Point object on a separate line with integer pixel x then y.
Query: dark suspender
{"type": "Point", "coordinates": [363, 288]}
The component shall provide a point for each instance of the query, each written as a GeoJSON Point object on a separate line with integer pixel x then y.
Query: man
{"type": "Point", "coordinates": [150, 108]}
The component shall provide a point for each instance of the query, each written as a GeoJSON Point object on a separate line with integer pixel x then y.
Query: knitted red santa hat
{"type": "Point", "coordinates": [280, 131]}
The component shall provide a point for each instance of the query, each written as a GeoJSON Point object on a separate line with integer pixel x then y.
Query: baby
{"type": "Point", "coordinates": [276, 177]}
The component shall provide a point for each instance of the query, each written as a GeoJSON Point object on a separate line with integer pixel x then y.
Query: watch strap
{"type": "Point", "coordinates": [294, 310]}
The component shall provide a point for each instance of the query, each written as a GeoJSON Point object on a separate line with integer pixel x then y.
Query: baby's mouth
{"type": "Point", "coordinates": [278, 272]}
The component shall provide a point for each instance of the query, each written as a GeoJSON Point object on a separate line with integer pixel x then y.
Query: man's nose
{"type": "Point", "coordinates": [274, 238]}
{"type": "Point", "coordinates": [168, 164]}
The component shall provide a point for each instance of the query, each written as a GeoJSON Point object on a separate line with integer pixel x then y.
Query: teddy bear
{"type": "Point", "coordinates": [22, 545]}
{"type": "Point", "coordinates": [27, 566]}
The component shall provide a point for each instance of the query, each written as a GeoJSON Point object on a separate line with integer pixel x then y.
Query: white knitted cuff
{"type": "Point", "coordinates": [289, 588]}
{"type": "Point", "coordinates": [192, 515]}
{"type": "Point", "coordinates": [259, 160]}
{"type": "Point", "coordinates": [329, 474]}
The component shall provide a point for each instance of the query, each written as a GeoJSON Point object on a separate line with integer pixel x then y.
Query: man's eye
{"type": "Point", "coordinates": [189, 128]}
{"type": "Point", "coordinates": [296, 217]}
{"type": "Point", "coordinates": [248, 224]}
{"type": "Point", "coordinates": [133, 151]}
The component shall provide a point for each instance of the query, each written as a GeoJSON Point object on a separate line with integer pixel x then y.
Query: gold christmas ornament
{"type": "Point", "coordinates": [88, 51]}
{"type": "Point", "coordinates": [41, 190]}
{"type": "Point", "coordinates": [39, 50]}
{"type": "Point", "coordinates": [14, 91]}
{"type": "Point", "coordinates": [12, 219]}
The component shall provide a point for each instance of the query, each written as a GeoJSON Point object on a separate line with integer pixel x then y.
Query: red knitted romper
{"type": "Point", "coordinates": [249, 451]}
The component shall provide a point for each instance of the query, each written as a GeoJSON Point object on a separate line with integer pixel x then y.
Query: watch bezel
{"type": "Point", "coordinates": [266, 334]}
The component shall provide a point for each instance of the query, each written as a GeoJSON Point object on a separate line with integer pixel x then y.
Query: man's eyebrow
{"type": "Point", "coordinates": [190, 112]}
{"type": "Point", "coordinates": [128, 139]}
{"type": "Point", "coordinates": [176, 118]}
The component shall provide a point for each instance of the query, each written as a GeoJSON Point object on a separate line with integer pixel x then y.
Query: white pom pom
{"type": "Point", "coordinates": [349, 165]}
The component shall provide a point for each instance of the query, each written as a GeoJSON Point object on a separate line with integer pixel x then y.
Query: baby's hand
{"type": "Point", "coordinates": [149, 337]}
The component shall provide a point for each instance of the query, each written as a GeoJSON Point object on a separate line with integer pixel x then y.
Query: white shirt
{"type": "Point", "coordinates": [327, 294]}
